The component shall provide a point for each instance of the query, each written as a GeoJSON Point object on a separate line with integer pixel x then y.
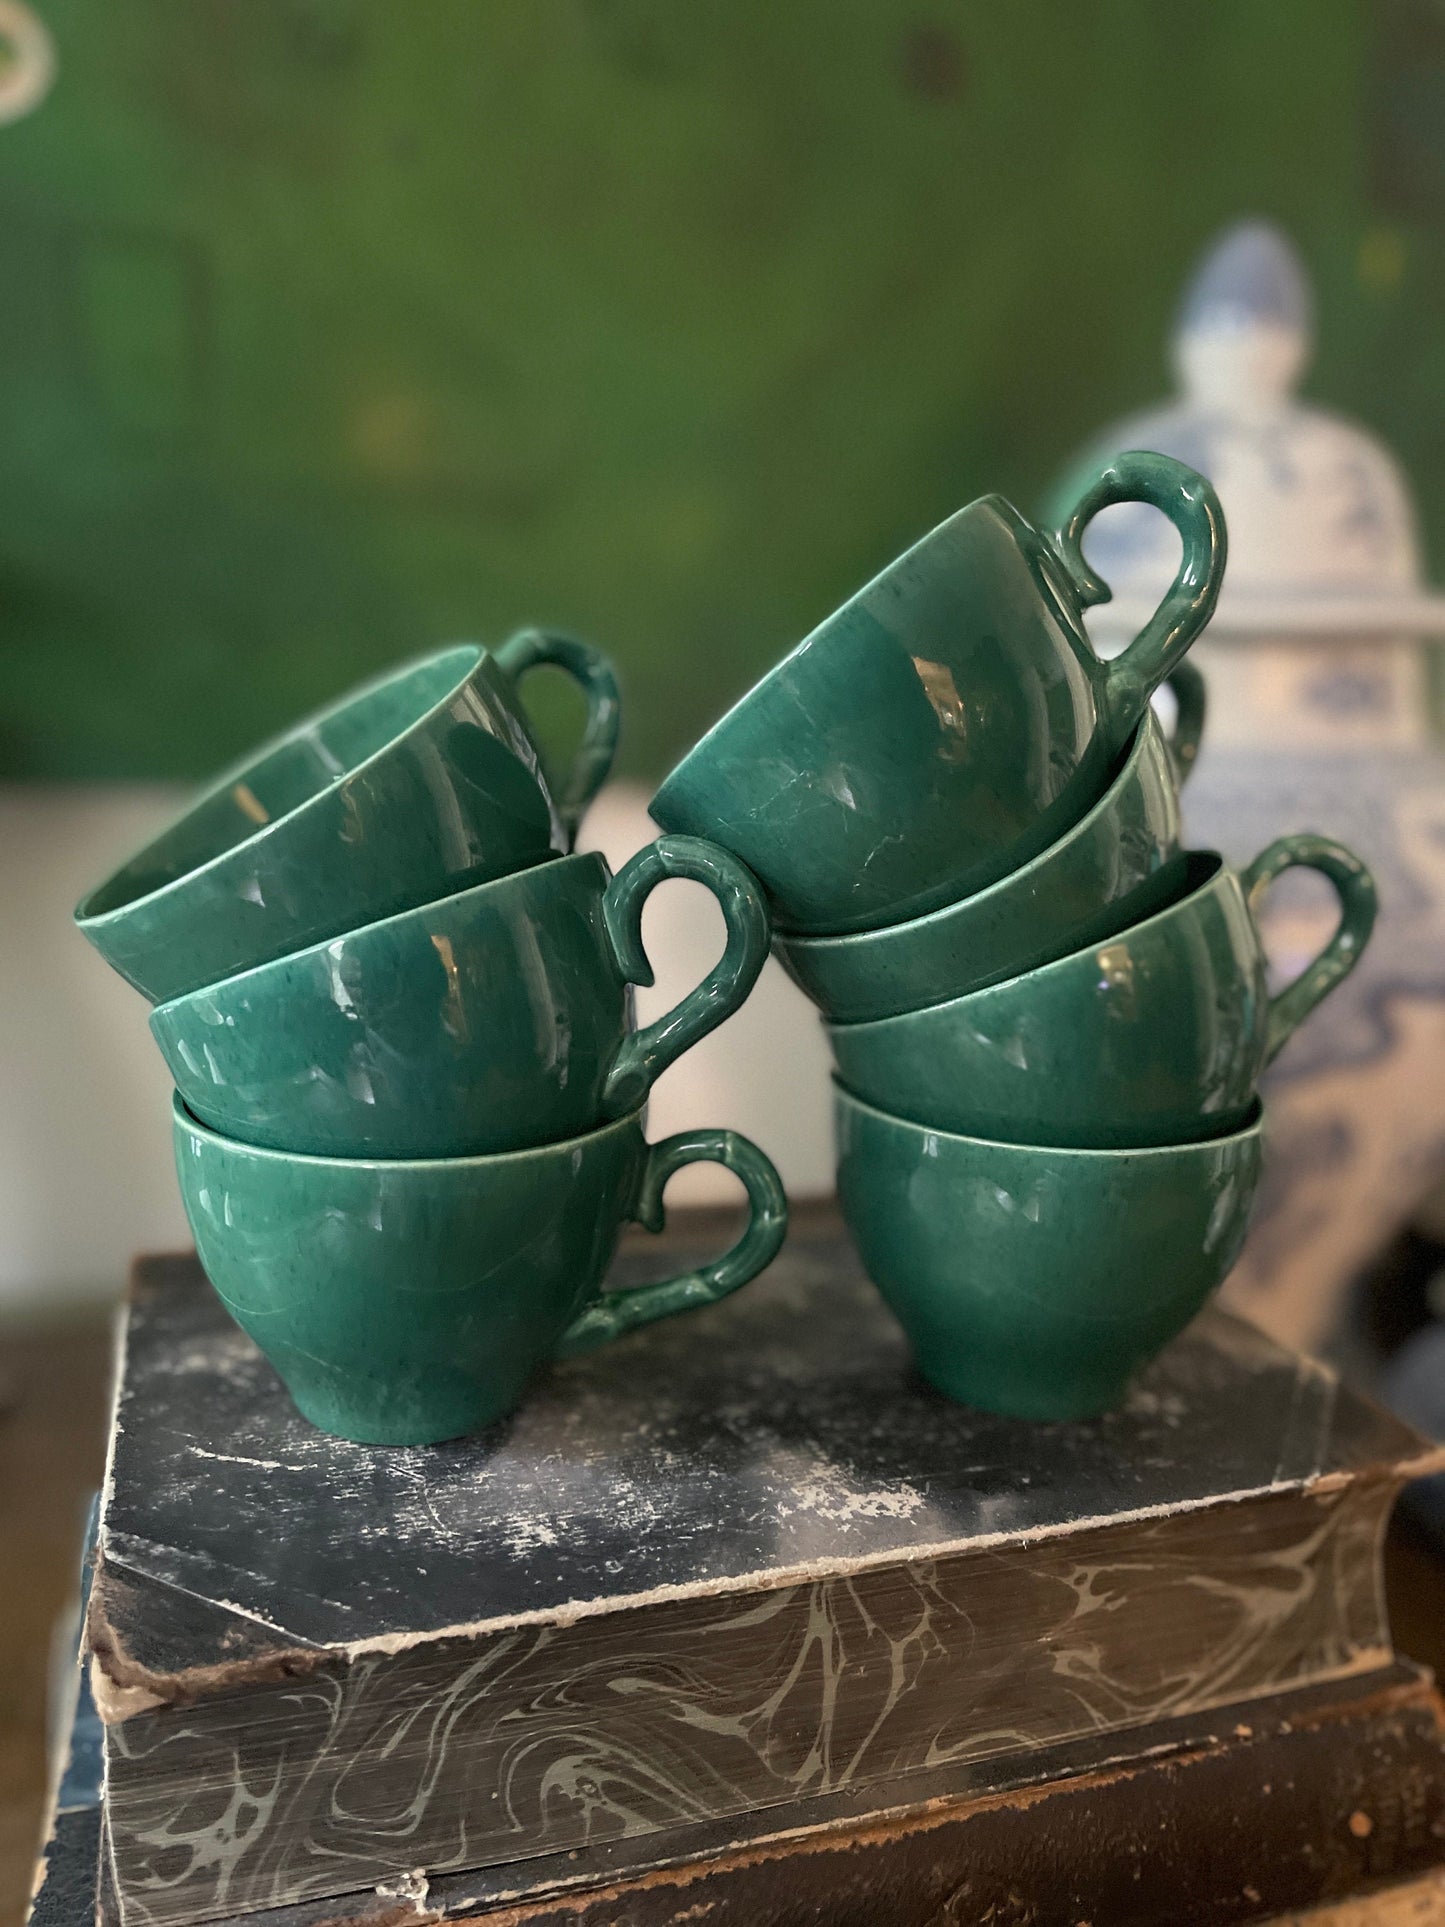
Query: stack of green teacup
{"type": "Point", "coordinates": [1048, 1019]}
{"type": "Point", "coordinates": [409, 1111]}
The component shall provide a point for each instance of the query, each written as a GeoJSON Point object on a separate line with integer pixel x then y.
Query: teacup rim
{"type": "Point", "coordinates": [235, 772]}
{"type": "Point", "coordinates": [991, 500]}
{"type": "Point", "coordinates": [843, 940]}
{"type": "Point", "coordinates": [183, 1118]}
{"type": "Point", "coordinates": [1251, 1127]}
{"type": "Point", "coordinates": [239, 978]}
{"type": "Point", "coordinates": [1218, 869]}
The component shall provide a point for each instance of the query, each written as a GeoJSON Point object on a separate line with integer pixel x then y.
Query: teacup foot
{"type": "Point", "coordinates": [400, 1414]}
{"type": "Point", "coordinates": [417, 1427]}
{"type": "Point", "coordinates": [990, 1387]}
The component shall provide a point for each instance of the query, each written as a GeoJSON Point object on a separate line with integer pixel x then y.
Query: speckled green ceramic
{"type": "Point", "coordinates": [422, 782]}
{"type": "Point", "coordinates": [1117, 865]}
{"type": "Point", "coordinates": [1156, 1035]}
{"type": "Point", "coordinates": [405, 1302]}
{"type": "Point", "coordinates": [1032, 1280]}
{"type": "Point", "coordinates": [951, 721]}
{"type": "Point", "coordinates": [488, 1020]}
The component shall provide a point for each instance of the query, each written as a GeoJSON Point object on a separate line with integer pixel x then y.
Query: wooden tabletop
{"type": "Point", "coordinates": [54, 1393]}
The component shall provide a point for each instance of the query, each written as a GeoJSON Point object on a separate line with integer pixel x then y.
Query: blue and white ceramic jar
{"type": "Point", "coordinates": [1317, 663]}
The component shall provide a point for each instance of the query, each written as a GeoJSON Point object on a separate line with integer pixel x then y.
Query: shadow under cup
{"type": "Point", "coordinates": [409, 1301]}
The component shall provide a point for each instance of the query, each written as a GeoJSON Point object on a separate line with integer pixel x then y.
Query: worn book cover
{"type": "Point", "coordinates": [64, 1888]}
{"type": "Point", "coordinates": [1230, 1816]}
{"type": "Point", "coordinates": [1237, 1815]}
{"type": "Point", "coordinates": [740, 1569]}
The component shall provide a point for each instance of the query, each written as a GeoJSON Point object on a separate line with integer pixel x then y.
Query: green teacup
{"type": "Point", "coordinates": [1116, 865]}
{"type": "Point", "coordinates": [1156, 1035]}
{"type": "Point", "coordinates": [422, 782]}
{"type": "Point", "coordinates": [488, 1020]}
{"type": "Point", "coordinates": [1037, 1280]}
{"type": "Point", "coordinates": [951, 721]}
{"type": "Point", "coordinates": [404, 1302]}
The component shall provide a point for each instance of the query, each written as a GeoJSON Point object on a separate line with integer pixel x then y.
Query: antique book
{"type": "Point", "coordinates": [736, 1576]}
{"type": "Point", "coordinates": [64, 1889]}
{"type": "Point", "coordinates": [1244, 1819]}
{"type": "Point", "coordinates": [1243, 1815]}
{"type": "Point", "coordinates": [68, 1866]}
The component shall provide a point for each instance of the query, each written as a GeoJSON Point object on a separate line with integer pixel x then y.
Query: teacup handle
{"type": "Point", "coordinates": [613, 1312]}
{"type": "Point", "coordinates": [1191, 697]}
{"type": "Point", "coordinates": [1355, 888]}
{"type": "Point", "coordinates": [1193, 507]}
{"type": "Point", "coordinates": [645, 1054]}
{"type": "Point", "coordinates": [589, 668]}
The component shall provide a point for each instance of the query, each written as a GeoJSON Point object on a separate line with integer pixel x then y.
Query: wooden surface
{"type": "Point", "coordinates": [53, 1395]}
{"type": "Point", "coordinates": [1406, 1903]}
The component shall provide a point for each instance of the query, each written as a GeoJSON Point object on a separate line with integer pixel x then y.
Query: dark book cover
{"type": "Point", "coordinates": [65, 1874]}
{"type": "Point", "coordinates": [742, 1569]}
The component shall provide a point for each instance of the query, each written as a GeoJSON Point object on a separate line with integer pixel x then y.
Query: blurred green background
{"type": "Point", "coordinates": [332, 328]}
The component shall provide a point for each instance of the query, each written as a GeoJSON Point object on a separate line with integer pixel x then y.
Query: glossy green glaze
{"type": "Point", "coordinates": [1118, 864]}
{"type": "Point", "coordinates": [574, 787]}
{"type": "Point", "coordinates": [406, 1302]}
{"type": "Point", "coordinates": [1191, 712]}
{"type": "Point", "coordinates": [1355, 888]}
{"type": "Point", "coordinates": [1154, 1036]}
{"type": "Point", "coordinates": [486, 1021]}
{"type": "Point", "coordinates": [420, 783]}
{"type": "Point", "coordinates": [951, 721]}
{"type": "Point", "coordinates": [1036, 1281]}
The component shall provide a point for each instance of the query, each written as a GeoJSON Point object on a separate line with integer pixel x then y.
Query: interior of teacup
{"type": "Point", "coordinates": [862, 941]}
{"type": "Point", "coordinates": [565, 1151]}
{"type": "Point", "coordinates": [286, 775]}
{"type": "Point", "coordinates": [1195, 871]}
{"type": "Point", "coordinates": [1061, 1156]}
{"type": "Point", "coordinates": [1187, 875]}
{"type": "Point", "coordinates": [776, 679]}
{"type": "Point", "coordinates": [520, 886]}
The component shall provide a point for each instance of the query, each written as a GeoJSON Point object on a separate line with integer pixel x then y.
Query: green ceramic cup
{"type": "Point", "coordinates": [1156, 1035]}
{"type": "Point", "coordinates": [1037, 1280]}
{"type": "Point", "coordinates": [488, 1020]}
{"type": "Point", "coordinates": [1119, 863]}
{"type": "Point", "coordinates": [404, 1302]}
{"type": "Point", "coordinates": [421, 782]}
{"type": "Point", "coordinates": [951, 721]}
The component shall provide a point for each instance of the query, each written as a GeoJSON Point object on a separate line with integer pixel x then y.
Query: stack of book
{"type": "Point", "coordinates": [736, 1620]}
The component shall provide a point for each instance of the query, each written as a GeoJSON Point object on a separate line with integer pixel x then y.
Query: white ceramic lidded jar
{"type": "Point", "coordinates": [1319, 719]}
